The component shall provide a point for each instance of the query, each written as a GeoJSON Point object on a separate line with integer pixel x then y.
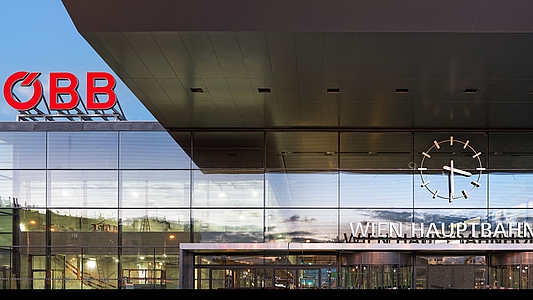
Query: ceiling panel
{"type": "Point", "coordinates": [402, 18]}
{"type": "Point", "coordinates": [150, 54]}
{"type": "Point", "coordinates": [124, 54]}
{"type": "Point", "coordinates": [230, 115]}
{"type": "Point", "coordinates": [176, 54]}
{"type": "Point", "coordinates": [339, 16]}
{"type": "Point", "coordinates": [157, 14]}
{"type": "Point", "coordinates": [520, 17]}
{"type": "Point", "coordinates": [430, 17]}
{"type": "Point", "coordinates": [173, 89]}
{"type": "Point", "coordinates": [251, 113]}
{"type": "Point", "coordinates": [492, 16]}
{"type": "Point", "coordinates": [337, 47]}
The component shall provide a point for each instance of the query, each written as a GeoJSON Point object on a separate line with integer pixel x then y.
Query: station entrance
{"type": "Point", "coordinates": [304, 271]}
{"type": "Point", "coordinates": [369, 270]}
{"type": "Point", "coordinates": [339, 269]}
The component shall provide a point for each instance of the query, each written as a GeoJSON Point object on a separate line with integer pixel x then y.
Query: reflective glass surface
{"type": "Point", "coordinates": [228, 150]}
{"type": "Point", "coordinates": [141, 187]}
{"type": "Point", "coordinates": [151, 150]}
{"type": "Point", "coordinates": [301, 189]}
{"type": "Point", "coordinates": [155, 188]}
{"type": "Point", "coordinates": [301, 150]}
{"type": "Point", "coordinates": [301, 225]}
{"type": "Point", "coordinates": [27, 187]}
{"type": "Point", "coordinates": [375, 150]}
{"type": "Point", "coordinates": [376, 189]}
{"type": "Point", "coordinates": [229, 225]}
{"type": "Point", "coordinates": [83, 150]}
{"type": "Point", "coordinates": [22, 150]}
{"type": "Point", "coordinates": [155, 220]}
{"type": "Point", "coordinates": [70, 188]}
{"type": "Point", "coordinates": [218, 189]}
{"type": "Point", "coordinates": [510, 189]}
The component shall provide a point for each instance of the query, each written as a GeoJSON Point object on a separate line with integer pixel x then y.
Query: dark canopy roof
{"type": "Point", "coordinates": [396, 64]}
{"type": "Point", "coordinates": [448, 65]}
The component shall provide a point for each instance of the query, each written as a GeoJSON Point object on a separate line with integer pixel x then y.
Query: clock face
{"type": "Point", "coordinates": [451, 169]}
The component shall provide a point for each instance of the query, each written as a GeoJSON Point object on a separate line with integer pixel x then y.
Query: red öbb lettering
{"type": "Point", "coordinates": [56, 90]}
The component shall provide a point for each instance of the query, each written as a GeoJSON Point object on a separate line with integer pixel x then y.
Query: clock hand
{"type": "Point", "coordinates": [450, 182]}
{"type": "Point", "coordinates": [458, 171]}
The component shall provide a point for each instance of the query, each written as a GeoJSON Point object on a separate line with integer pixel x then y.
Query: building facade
{"type": "Point", "coordinates": [301, 144]}
{"type": "Point", "coordinates": [111, 205]}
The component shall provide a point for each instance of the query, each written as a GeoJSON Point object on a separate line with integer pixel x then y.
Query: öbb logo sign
{"type": "Point", "coordinates": [31, 79]}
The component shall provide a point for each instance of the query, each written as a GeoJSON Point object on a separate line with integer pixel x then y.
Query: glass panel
{"type": "Point", "coordinates": [510, 189]}
{"type": "Point", "coordinates": [228, 225]}
{"type": "Point", "coordinates": [311, 189]}
{"type": "Point", "coordinates": [228, 150]}
{"type": "Point", "coordinates": [27, 187]}
{"type": "Point", "coordinates": [156, 220]}
{"type": "Point", "coordinates": [6, 238]}
{"type": "Point", "coordinates": [476, 195]}
{"type": "Point", "coordinates": [151, 150]}
{"type": "Point", "coordinates": [511, 150]}
{"type": "Point", "coordinates": [302, 150]}
{"type": "Point", "coordinates": [32, 227]}
{"type": "Point", "coordinates": [150, 268]}
{"type": "Point", "coordinates": [447, 218]}
{"type": "Point", "coordinates": [141, 268]}
{"type": "Point", "coordinates": [376, 189]}
{"type": "Point", "coordinates": [151, 189]}
{"type": "Point", "coordinates": [83, 188]}
{"type": "Point", "coordinates": [65, 221]}
{"type": "Point", "coordinates": [375, 150]}
{"type": "Point", "coordinates": [512, 215]}
{"type": "Point", "coordinates": [67, 267]}
{"type": "Point", "coordinates": [83, 150]}
{"type": "Point", "coordinates": [227, 189]}
{"type": "Point", "coordinates": [351, 218]}
{"type": "Point", "coordinates": [99, 268]}
{"type": "Point", "coordinates": [301, 225]}
{"type": "Point", "coordinates": [22, 150]}
{"type": "Point", "coordinates": [184, 141]}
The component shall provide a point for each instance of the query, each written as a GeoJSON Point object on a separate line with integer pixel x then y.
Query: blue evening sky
{"type": "Point", "coordinates": [39, 36]}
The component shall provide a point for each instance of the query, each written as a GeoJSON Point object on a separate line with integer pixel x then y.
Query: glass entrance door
{"type": "Point", "coordinates": [230, 278]}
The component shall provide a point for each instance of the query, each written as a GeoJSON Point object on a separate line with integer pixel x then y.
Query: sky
{"type": "Point", "coordinates": [39, 36]}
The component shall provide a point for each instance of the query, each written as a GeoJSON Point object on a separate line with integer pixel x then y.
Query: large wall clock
{"type": "Point", "coordinates": [455, 160]}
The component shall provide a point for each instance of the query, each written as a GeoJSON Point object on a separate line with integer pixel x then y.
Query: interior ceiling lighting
{"type": "Point", "coordinates": [333, 90]}
{"type": "Point", "coordinates": [263, 90]}
{"type": "Point", "coordinates": [402, 91]}
{"type": "Point", "coordinates": [196, 90]}
{"type": "Point", "coordinates": [470, 91]}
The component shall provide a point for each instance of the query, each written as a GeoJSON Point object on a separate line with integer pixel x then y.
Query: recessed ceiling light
{"type": "Point", "coordinates": [402, 91]}
{"type": "Point", "coordinates": [197, 90]}
{"type": "Point", "coordinates": [470, 91]}
{"type": "Point", "coordinates": [333, 90]}
{"type": "Point", "coordinates": [263, 90]}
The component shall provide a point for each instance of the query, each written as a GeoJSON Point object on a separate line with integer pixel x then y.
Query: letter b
{"type": "Point", "coordinates": [93, 90]}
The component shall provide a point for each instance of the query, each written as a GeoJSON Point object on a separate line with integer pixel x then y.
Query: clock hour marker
{"type": "Point", "coordinates": [475, 183]}
{"type": "Point", "coordinates": [424, 184]}
{"type": "Point", "coordinates": [451, 140]}
{"type": "Point", "coordinates": [426, 155]}
{"type": "Point", "coordinates": [465, 194]}
{"type": "Point", "coordinates": [436, 144]}
{"type": "Point", "coordinates": [477, 154]}
{"type": "Point", "coordinates": [466, 144]}
{"type": "Point", "coordinates": [436, 194]}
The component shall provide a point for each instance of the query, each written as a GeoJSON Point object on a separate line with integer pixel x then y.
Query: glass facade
{"type": "Point", "coordinates": [108, 207]}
